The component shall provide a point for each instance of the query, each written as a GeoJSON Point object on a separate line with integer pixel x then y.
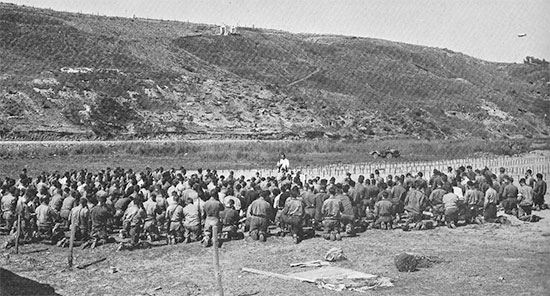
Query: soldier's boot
{"type": "Point", "coordinates": [262, 237]}
{"type": "Point", "coordinates": [61, 242]}
{"type": "Point", "coordinates": [205, 241]}
{"type": "Point", "coordinates": [254, 235]}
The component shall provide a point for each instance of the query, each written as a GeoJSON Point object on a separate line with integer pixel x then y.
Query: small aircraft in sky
{"type": "Point", "coordinates": [522, 35]}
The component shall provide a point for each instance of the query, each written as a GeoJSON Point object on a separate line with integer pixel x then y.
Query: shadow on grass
{"type": "Point", "coordinates": [13, 284]}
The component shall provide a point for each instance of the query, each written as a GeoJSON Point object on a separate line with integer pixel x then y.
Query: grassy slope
{"type": "Point", "coordinates": [409, 85]}
{"type": "Point", "coordinates": [180, 78]}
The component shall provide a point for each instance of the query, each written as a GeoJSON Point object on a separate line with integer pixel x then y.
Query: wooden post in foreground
{"type": "Point", "coordinates": [217, 273]}
{"type": "Point", "coordinates": [17, 233]}
{"type": "Point", "coordinates": [71, 244]}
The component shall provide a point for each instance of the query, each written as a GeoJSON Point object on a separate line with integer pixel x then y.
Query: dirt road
{"type": "Point", "coordinates": [95, 142]}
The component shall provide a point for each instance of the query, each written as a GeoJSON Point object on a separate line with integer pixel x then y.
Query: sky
{"type": "Point", "coordinates": [486, 29]}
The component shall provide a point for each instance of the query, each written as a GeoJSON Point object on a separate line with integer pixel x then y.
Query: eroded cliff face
{"type": "Point", "coordinates": [82, 76]}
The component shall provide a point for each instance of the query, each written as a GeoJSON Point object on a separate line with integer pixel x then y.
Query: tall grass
{"type": "Point", "coordinates": [267, 152]}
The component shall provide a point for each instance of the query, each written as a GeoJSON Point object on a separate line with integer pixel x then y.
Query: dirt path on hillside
{"type": "Point", "coordinates": [90, 142]}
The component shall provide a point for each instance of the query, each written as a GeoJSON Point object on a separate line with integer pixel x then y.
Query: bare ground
{"type": "Point", "coordinates": [489, 259]}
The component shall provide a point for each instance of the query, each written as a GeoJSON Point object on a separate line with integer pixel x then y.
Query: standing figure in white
{"type": "Point", "coordinates": [283, 164]}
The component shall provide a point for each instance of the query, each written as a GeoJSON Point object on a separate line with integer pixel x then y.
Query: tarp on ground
{"type": "Point", "coordinates": [340, 279]}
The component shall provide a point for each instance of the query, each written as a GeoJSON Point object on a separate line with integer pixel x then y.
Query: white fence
{"type": "Point", "coordinates": [515, 167]}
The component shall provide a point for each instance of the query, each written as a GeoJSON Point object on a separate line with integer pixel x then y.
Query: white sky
{"type": "Point", "coordinates": [487, 29]}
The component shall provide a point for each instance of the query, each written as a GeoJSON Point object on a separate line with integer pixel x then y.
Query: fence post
{"type": "Point", "coordinates": [71, 244]}
{"type": "Point", "coordinates": [18, 233]}
{"type": "Point", "coordinates": [217, 273]}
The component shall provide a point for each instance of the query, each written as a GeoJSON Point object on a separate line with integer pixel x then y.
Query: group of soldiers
{"type": "Point", "coordinates": [171, 204]}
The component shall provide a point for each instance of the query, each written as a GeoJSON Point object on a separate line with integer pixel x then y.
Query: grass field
{"type": "Point", "coordinates": [490, 259]}
{"type": "Point", "coordinates": [227, 154]}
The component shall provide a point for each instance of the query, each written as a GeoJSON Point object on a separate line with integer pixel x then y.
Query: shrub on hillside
{"type": "Point", "coordinates": [535, 61]}
{"type": "Point", "coordinates": [12, 108]}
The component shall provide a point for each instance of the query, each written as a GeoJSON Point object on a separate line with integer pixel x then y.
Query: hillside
{"type": "Point", "coordinates": [84, 76]}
